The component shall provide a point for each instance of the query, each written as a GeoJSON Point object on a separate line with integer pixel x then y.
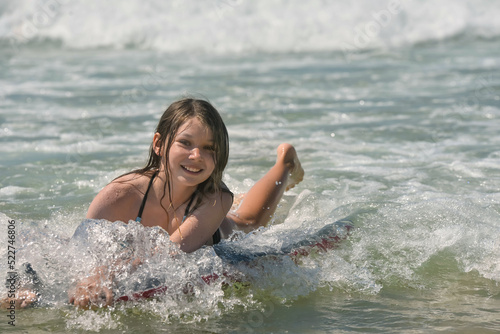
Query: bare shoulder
{"type": "Point", "coordinates": [222, 198]}
{"type": "Point", "coordinates": [119, 199]}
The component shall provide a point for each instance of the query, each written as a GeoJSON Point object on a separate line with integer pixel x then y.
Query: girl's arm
{"type": "Point", "coordinates": [199, 227]}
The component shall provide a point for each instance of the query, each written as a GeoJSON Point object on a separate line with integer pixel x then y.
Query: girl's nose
{"type": "Point", "coordinates": [195, 153]}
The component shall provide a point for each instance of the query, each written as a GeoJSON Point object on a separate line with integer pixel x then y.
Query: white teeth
{"type": "Point", "coordinates": [193, 170]}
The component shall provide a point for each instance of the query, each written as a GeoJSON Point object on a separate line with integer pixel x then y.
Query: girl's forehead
{"type": "Point", "coordinates": [194, 127]}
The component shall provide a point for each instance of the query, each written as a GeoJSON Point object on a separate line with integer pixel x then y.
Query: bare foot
{"type": "Point", "coordinates": [287, 153]}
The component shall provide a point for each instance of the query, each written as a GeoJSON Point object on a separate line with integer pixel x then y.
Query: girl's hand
{"type": "Point", "coordinates": [92, 291]}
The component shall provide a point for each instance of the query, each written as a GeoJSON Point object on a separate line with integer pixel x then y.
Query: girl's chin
{"type": "Point", "coordinates": [192, 181]}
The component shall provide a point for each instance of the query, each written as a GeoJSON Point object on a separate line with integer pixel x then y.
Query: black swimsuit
{"type": "Point", "coordinates": [215, 238]}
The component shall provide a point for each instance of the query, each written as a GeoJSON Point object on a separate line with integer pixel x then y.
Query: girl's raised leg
{"type": "Point", "coordinates": [259, 204]}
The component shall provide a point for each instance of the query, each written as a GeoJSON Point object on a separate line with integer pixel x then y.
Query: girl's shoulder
{"type": "Point", "coordinates": [129, 184]}
{"type": "Point", "coordinates": [121, 195]}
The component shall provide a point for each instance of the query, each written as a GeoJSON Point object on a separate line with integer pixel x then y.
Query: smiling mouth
{"type": "Point", "coordinates": [191, 169]}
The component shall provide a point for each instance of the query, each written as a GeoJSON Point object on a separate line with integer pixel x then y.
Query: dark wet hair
{"type": "Point", "coordinates": [172, 119]}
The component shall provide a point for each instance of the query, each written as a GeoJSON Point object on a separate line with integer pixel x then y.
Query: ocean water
{"type": "Point", "coordinates": [393, 107]}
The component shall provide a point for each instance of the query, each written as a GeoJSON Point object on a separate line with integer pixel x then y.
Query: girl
{"type": "Point", "coordinates": [181, 189]}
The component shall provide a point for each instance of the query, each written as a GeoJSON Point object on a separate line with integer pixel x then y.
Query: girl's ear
{"type": "Point", "coordinates": [157, 144]}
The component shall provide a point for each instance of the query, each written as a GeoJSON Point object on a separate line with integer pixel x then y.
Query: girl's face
{"type": "Point", "coordinates": [191, 156]}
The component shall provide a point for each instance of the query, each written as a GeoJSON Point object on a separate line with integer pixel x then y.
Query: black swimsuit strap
{"type": "Point", "coordinates": [186, 212]}
{"type": "Point", "coordinates": [143, 204]}
{"type": "Point", "coordinates": [216, 237]}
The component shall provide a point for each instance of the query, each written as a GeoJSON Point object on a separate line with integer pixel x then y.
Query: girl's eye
{"type": "Point", "coordinates": [184, 142]}
{"type": "Point", "coordinates": [210, 148]}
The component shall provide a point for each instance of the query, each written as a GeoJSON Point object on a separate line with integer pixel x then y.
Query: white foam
{"type": "Point", "coordinates": [10, 191]}
{"type": "Point", "coordinates": [220, 26]}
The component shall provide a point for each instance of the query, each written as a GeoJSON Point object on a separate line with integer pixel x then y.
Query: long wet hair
{"type": "Point", "coordinates": [172, 119]}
